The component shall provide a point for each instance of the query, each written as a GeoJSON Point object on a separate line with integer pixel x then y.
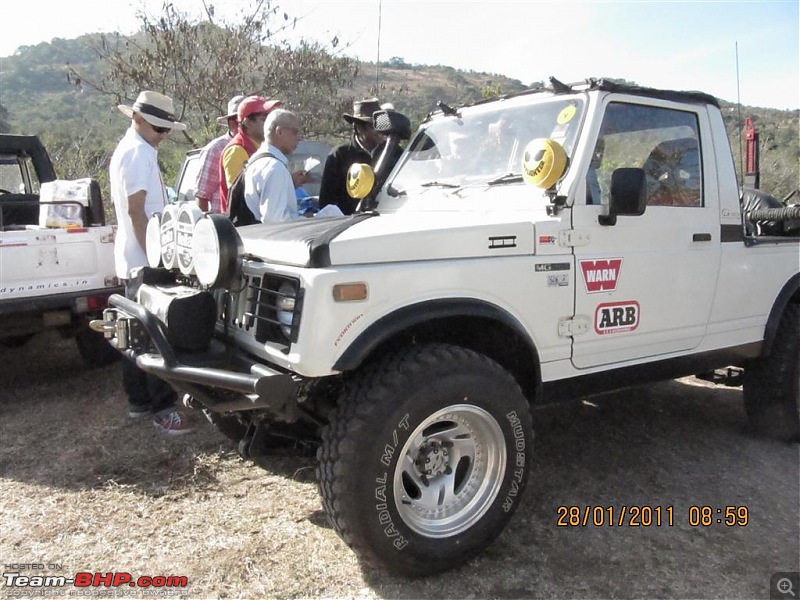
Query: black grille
{"type": "Point", "coordinates": [255, 308]}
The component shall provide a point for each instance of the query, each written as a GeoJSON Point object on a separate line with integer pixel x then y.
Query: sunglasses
{"type": "Point", "coordinates": [160, 129]}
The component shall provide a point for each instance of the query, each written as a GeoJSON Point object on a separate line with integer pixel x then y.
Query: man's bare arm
{"type": "Point", "coordinates": [203, 203]}
{"type": "Point", "coordinates": [138, 216]}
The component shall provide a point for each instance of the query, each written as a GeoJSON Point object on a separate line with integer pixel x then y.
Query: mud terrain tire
{"type": "Point", "coordinates": [425, 458]}
{"type": "Point", "coordinates": [772, 384]}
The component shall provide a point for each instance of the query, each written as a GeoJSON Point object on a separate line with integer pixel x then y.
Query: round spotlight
{"type": "Point", "coordinates": [544, 162]}
{"type": "Point", "coordinates": [153, 241]}
{"type": "Point", "coordinates": [188, 216]}
{"type": "Point", "coordinates": [169, 250]}
{"type": "Point", "coordinates": [216, 247]}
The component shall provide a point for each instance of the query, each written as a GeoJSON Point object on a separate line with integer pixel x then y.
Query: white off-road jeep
{"type": "Point", "coordinates": [525, 250]}
{"type": "Point", "coordinates": [56, 252]}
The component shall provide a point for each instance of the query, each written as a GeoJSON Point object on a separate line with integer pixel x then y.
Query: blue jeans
{"type": "Point", "coordinates": [145, 392]}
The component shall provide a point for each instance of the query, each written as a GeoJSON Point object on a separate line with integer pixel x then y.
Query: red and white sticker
{"type": "Point", "coordinates": [601, 275]}
{"type": "Point", "coordinates": [616, 317]}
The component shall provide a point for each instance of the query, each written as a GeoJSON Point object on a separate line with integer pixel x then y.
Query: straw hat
{"type": "Point", "coordinates": [233, 104]}
{"type": "Point", "coordinates": [155, 108]}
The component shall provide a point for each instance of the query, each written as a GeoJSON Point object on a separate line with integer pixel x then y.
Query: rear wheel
{"type": "Point", "coordinates": [772, 384]}
{"type": "Point", "coordinates": [425, 458]}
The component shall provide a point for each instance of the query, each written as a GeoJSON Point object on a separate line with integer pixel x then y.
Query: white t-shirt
{"type": "Point", "coordinates": [268, 187]}
{"type": "Point", "coordinates": [134, 167]}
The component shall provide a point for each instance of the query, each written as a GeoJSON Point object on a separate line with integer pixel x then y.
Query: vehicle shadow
{"type": "Point", "coordinates": [65, 425]}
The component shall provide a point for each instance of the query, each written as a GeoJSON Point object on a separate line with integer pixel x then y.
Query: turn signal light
{"type": "Point", "coordinates": [350, 292]}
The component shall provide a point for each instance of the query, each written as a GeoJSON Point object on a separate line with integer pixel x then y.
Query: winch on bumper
{"type": "Point", "coordinates": [185, 354]}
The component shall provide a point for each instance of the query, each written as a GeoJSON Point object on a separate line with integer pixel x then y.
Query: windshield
{"type": "Point", "coordinates": [485, 144]}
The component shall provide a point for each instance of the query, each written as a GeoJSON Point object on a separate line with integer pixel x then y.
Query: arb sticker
{"type": "Point", "coordinates": [616, 317]}
{"type": "Point", "coordinates": [601, 275]}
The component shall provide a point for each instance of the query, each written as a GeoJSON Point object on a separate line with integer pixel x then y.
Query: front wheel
{"type": "Point", "coordinates": [772, 384]}
{"type": "Point", "coordinates": [425, 458]}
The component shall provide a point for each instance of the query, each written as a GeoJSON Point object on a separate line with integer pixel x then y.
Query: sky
{"type": "Point", "coordinates": [744, 51]}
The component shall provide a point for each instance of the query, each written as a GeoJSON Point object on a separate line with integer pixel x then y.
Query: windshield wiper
{"type": "Point", "coordinates": [507, 178]}
{"type": "Point", "coordinates": [440, 184]}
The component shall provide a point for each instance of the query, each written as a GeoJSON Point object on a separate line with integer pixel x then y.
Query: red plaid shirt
{"type": "Point", "coordinates": [207, 183]}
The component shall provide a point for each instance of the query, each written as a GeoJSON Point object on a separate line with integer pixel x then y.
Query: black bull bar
{"type": "Point", "coordinates": [262, 387]}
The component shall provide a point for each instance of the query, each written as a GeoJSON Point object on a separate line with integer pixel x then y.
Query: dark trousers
{"type": "Point", "coordinates": [145, 391]}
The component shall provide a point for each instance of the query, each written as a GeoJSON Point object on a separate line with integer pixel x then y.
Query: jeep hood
{"type": "Point", "coordinates": [402, 236]}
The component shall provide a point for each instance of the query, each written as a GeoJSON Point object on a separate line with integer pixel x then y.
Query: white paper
{"type": "Point", "coordinates": [330, 210]}
{"type": "Point", "coordinates": [310, 163]}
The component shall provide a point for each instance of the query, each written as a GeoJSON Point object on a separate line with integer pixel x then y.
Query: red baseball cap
{"type": "Point", "coordinates": [256, 104]}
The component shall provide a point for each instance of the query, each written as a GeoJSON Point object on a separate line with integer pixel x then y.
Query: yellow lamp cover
{"type": "Point", "coordinates": [360, 179]}
{"type": "Point", "coordinates": [544, 162]}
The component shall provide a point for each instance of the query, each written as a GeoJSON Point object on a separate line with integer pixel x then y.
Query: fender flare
{"type": "Point", "coordinates": [402, 319]}
{"type": "Point", "coordinates": [789, 289]}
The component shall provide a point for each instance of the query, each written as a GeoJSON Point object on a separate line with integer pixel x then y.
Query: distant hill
{"type": "Point", "coordinates": [40, 98]}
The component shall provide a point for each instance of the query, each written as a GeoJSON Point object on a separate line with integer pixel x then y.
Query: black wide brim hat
{"type": "Point", "coordinates": [362, 111]}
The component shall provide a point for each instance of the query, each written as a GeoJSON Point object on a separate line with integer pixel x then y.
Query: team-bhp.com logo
{"type": "Point", "coordinates": [93, 580]}
{"type": "Point", "coordinates": [601, 275]}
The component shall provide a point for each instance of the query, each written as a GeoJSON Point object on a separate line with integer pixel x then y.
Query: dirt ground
{"type": "Point", "coordinates": [84, 490]}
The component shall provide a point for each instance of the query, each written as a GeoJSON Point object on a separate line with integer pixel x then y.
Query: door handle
{"type": "Point", "coordinates": [701, 237]}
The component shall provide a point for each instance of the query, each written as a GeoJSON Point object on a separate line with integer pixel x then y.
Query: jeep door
{"type": "Point", "coordinates": [646, 284]}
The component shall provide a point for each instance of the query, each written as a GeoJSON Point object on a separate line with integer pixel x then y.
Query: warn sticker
{"type": "Point", "coordinates": [601, 275]}
{"type": "Point", "coordinates": [616, 317]}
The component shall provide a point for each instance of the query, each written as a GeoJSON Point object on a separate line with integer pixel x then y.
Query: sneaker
{"type": "Point", "coordinates": [172, 423]}
{"type": "Point", "coordinates": [189, 402]}
{"type": "Point", "coordinates": [138, 414]}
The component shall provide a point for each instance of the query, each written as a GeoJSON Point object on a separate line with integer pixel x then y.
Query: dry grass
{"type": "Point", "coordinates": [83, 487]}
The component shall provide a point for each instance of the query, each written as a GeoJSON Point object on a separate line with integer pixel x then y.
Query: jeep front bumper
{"type": "Point", "coordinates": [221, 378]}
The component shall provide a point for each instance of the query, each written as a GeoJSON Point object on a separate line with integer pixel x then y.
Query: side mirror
{"type": "Point", "coordinates": [395, 126]}
{"type": "Point", "coordinates": [628, 197]}
{"type": "Point", "coordinates": [391, 122]}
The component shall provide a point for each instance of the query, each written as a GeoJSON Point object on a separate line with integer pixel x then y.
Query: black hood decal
{"type": "Point", "coordinates": [316, 234]}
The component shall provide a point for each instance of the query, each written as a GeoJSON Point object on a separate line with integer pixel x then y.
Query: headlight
{"type": "Point", "coordinates": [188, 216]}
{"type": "Point", "coordinates": [285, 302]}
{"type": "Point", "coordinates": [216, 247]}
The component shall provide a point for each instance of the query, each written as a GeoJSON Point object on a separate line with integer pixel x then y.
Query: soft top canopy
{"type": "Point", "coordinates": [607, 85]}
{"type": "Point", "coordinates": [32, 147]}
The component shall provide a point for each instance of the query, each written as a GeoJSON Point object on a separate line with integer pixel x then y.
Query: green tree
{"type": "Point", "coordinates": [5, 126]}
{"type": "Point", "coordinates": [201, 63]}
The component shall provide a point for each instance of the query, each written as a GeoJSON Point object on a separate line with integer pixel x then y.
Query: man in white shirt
{"type": "Point", "coordinates": [138, 192]}
{"type": "Point", "coordinates": [269, 191]}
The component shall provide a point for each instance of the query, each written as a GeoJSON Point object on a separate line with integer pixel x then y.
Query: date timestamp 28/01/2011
{"type": "Point", "coordinates": [650, 516]}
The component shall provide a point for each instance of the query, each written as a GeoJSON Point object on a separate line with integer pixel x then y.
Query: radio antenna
{"type": "Point", "coordinates": [739, 119]}
{"type": "Point", "coordinates": [378, 59]}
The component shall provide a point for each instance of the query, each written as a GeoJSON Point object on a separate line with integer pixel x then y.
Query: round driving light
{"type": "Point", "coordinates": [360, 179]}
{"type": "Point", "coordinates": [153, 241]}
{"type": "Point", "coordinates": [216, 247]}
{"type": "Point", "coordinates": [544, 162]}
{"type": "Point", "coordinates": [169, 254]}
{"type": "Point", "coordinates": [188, 216]}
